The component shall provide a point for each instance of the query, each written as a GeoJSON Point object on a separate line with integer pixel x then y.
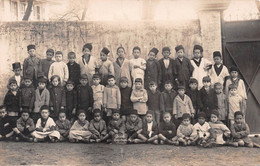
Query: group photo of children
{"type": "Point", "coordinates": [178, 101]}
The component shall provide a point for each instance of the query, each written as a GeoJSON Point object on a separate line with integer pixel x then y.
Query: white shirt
{"type": "Point", "coordinates": [166, 62]}
{"type": "Point", "coordinates": [149, 128]}
{"type": "Point", "coordinates": [18, 80]}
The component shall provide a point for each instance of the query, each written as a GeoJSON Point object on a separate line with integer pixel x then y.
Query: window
{"type": "Point", "coordinates": [14, 10]}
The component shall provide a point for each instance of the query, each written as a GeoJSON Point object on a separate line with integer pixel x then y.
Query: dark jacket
{"type": "Point", "coordinates": [12, 102]}
{"type": "Point", "coordinates": [74, 73]}
{"type": "Point", "coordinates": [28, 96]}
{"type": "Point", "coordinates": [165, 127]}
{"type": "Point", "coordinates": [85, 97]}
{"type": "Point", "coordinates": [154, 99]}
{"type": "Point", "coordinates": [209, 100]}
{"type": "Point", "coordinates": [71, 102]}
{"type": "Point", "coordinates": [57, 99]}
{"type": "Point", "coordinates": [166, 74]}
{"type": "Point", "coordinates": [195, 98]}
{"type": "Point", "coordinates": [126, 103]}
{"type": "Point", "coordinates": [152, 73]}
{"type": "Point", "coordinates": [6, 125]}
{"type": "Point", "coordinates": [154, 129]}
{"type": "Point", "coordinates": [167, 101]}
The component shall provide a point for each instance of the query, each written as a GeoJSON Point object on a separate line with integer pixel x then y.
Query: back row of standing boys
{"type": "Point", "coordinates": [92, 85]}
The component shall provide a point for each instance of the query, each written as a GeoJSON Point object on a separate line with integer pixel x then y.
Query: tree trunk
{"type": "Point", "coordinates": [28, 10]}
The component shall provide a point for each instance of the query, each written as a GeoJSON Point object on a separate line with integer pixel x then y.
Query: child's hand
{"type": "Point", "coordinates": [27, 126]}
{"type": "Point", "coordinates": [52, 108]}
{"type": "Point", "coordinates": [61, 107]}
{"type": "Point", "coordinates": [74, 111]}
{"type": "Point", "coordinates": [115, 131]}
{"type": "Point", "coordinates": [7, 124]}
{"type": "Point", "coordinates": [136, 66]}
{"type": "Point", "coordinates": [227, 134]}
{"type": "Point", "coordinates": [175, 116]}
{"type": "Point", "coordinates": [169, 131]}
{"type": "Point", "coordinates": [1, 136]}
{"type": "Point", "coordinates": [192, 115]}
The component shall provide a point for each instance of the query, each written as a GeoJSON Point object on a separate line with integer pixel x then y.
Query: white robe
{"type": "Point", "coordinates": [60, 69]}
{"type": "Point", "coordinates": [50, 122]}
{"type": "Point", "coordinates": [218, 78]}
{"type": "Point", "coordinates": [88, 68]}
{"type": "Point", "coordinates": [138, 72]}
{"type": "Point", "coordinates": [202, 129]}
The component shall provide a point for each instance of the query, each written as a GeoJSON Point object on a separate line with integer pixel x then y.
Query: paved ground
{"type": "Point", "coordinates": [13, 153]}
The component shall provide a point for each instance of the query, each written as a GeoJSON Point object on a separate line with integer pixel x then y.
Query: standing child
{"type": "Point", "coordinates": [7, 124]}
{"type": "Point", "coordinates": [85, 96]}
{"type": "Point", "coordinates": [97, 127]}
{"type": "Point", "coordinates": [106, 67]}
{"type": "Point", "coordinates": [63, 126]}
{"type": "Point", "coordinates": [17, 74]}
{"type": "Point", "coordinates": [57, 97]}
{"type": "Point", "coordinates": [12, 100]}
{"type": "Point", "coordinates": [139, 98]}
{"type": "Point", "coordinates": [200, 64]}
{"type": "Point", "coordinates": [186, 133]}
{"type": "Point", "coordinates": [112, 97]}
{"type": "Point", "coordinates": [153, 103]}
{"type": "Point", "coordinates": [98, 92]}
{"type": "Point", "coordinates": [182, 104]}
{"type": "Point", "coordinates": [202, 127]}
{"type": "Point", "coordinates": [27, 94]}
{"type": "Point", "coordinates": [167, 130]}
{"type": "Point", "coordinates": [71, 101]}
{"type": "Point", "coordinates": [222, 102]}
{"type": "Point", "coordinates": [167, 67]}
{"type": "Point", "coordinates": [138, 65]}
{"type": "Point", "coordinates": [46, 63]}
{"type": "Point", "coordinates": [42, 97]}
{"type": "Point", "coordinates": [122, 67]}
{"type": "Point", "coordinates": [133, 125]}
{"type": "Point", "coordinates": [126, 103]}
{"type": "Point", "coordinates": [218, 72]}
{"type": "Point", "coordinates": [32, 65]}
{"type": "Point", "coordinates": [59, 68]}
{"type": "Point", "coordinates": [153, 69]}
{"type": "Point", "coordinates": [80, 129]}
{"type": "Point", "coordinates": [208, 97]}
{"type": "Point", "coordinates": [45, 127]}
{"type": "Point", "coordinates": [235, 103]}
{"type": "Point", "coordinates": [183, 68]}
{"type": "Point", "coordinates": [149, 132]}
{"type": "Point", "coordinates": [74, 68]}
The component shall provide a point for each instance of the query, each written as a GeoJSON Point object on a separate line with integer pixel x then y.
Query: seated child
{"type": "Point", "coordinates": [24, 127]}
{"type": "Point", "coordinates": [202, 127]}
{"type": "Point", "coordinates": [186, 133]}
{"type": "Point", "coordinates": [6, 125]}
{"type": "Point", "coordinates": [97, 127]}
{"type": "Point", "coordinates": [133, 125]}
{"type": "Point", "coordinates": [217, 130]}
{"type": "Point", "coordinates": [80, 129]}
{"type": "Point", "coordinates": [149, 132]}
{"type": "Point", "coordinates": [116, 127]}
{"type": "Point", "coordinates": [167, 130]}
{"type": "Point", "coordinates": [63, 126]}
{"type": "Point", "coordinates": [45, 127]}
{"type": "Point", "coordinates": [126, 103]}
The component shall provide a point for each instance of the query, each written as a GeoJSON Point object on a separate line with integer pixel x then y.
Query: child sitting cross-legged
{"type": "Point", "coordinates": [97, 127]}
{"type": "Point", "coordinates": [186, 133]}
{"type": "Point", "coordinates": [7, 125]}
{"type": "Point", "coordinates": [202, 127]}
{"type": "Point", "coordinates": [133, 125]}
{"type": "Point", "coordinates": [63, 125]}
{"type": "Point", "coordinates": [167, 130]}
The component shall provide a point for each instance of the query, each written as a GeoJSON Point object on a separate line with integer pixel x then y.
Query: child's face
{"type": "Point", "coordinates": [3, 112]}
{"type": "Point", "coordinates": [233, 91]}
{"type": "Point", "coordinates": [239, 119]}
{"type": "Point", "coordinates": [138, 85]}
{"type": "Point", "coordinates": [180, 53]}
{"type": "Point", "coordinates": [96, 81]}
{"type": "Point", "coordinates": [217, 60]}
{"type": "Point", "coordinates": [25, 116]}
{"type": "Point", "coordinates": [123, 84]}
{"type": "Point", "coordinates": [69, 87]}
{"type": "Point", "coordinates": [31, 52]}
{"type": "Point", "coordinates": [121, 53]}
{"type": "Point", "coordinates": [49, 56]}
{"type": "Point", "coordinates": [151, 56]}
{"type": "Point", "coordinates": [218, 89]}
{"type": "Point", "coordinates": [167, 118]}
{"type": "Point", "coordinates": [62, 116]}
{"type": "Point", "coordinates": [213, 118]}
{"type": "Point", "coordinates": [55, 82]}
{"type": "Point", "coordinates": [84, 82]}
{"type": "Point", "coordinates": [153, 88]}
{"type": "Point", "coordinates": [97, 117]}
{"type": "Point", "coordinates": [168, 87]}
{"type": "Point", "coordinates": [136, 53]}
{"type": "Point", "coordinates": [41, 85]}
{"type": "Point", "coordinates": [193, 86]}
{"type": "Point", "coordinates": [82, 117]}
{"type": "Point", "coordinates": [149, 118]}
{"type": "Point", "coordinates": [116, 116]}
{"type": "Point", "coordinates": [186, 121]}
{"type": "Point", "coordinates": [45, 114]}
{"type": "Point", "coordinates": [86, 51]}
{"type": "Point", "coordinates": [13, 86]}
{"type": "Point", "coordinates": [103, 56]}
{"type": "Point", "coordinates": [201, 120]}
{"type": "Point", "coordinates": [27, 82]}
{"type": "Point", "coordinates": [181, 92]}
{"type": "Point", "coordinates": [133, 117]}
{"type": "Point", "coordinates": [166, 54]}
{"type": "Point", "coordinates": [58, 57]}
{"type": "Point", "coordinates": [111, 81]}
{"type": "Point", "coordinates": [196, 53]}
{"type": "Point", "coordinates": [17, 72]}
{"type": "Point", "coordinates": [71, 58]}
{"type": "Point", "coordinates": [234, 74]}
{"type": "Point", "coordinates": [206, 84]}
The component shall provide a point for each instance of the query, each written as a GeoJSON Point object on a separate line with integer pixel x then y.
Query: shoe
{"type": "Point", "coordinates": [162, 142]}
{"type": "Point", "coordinates": [35, 140]}
{"type": "Point", "coordinates": [235, 144]}
{"type": "Point", "coordinates": [72, 140]}
{"type": "Point", "coordinates": [17, 139]}
{"type": "Point", "coordinates": [155, 142]}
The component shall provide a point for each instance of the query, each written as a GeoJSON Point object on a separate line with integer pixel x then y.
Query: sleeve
{"type": "Point", "coordinates": [74, 126]}
{"type": "Point", "coordinates": [190, 105]}
{"type": "Point", "coordinates": [233, 132]}
{"type": "Point", "coordinates": [32, 126]}
{"type": "Point", "coordinates": [86, 126]}
{"type": "Point", "coordinates": [75, 99]}
{"type": "Point", "coordinates": [122, 127]}
{"type": "Point", "coordinates": [161, 129]}
{"type": "Point", "coordinates": [77, 73]}
{"type": "Point", "coordinates": [110, 126]}
{"type": "Point", "coordinates": [25, 66]}
{"type": "Point", "coordinates": [51, 98]}
{"type": "Point", "coordinates": [104, 131]}
{"type": "Point", "coordinates": [47, 97]}
{"type": "Point", "coordinates": [7, 100]}
{"type": "Point", "coordinates": [138, 126]}
{"type": "Point", "coordinates": [156, 130]}
{"type": "Point", "coordinates": [133, 98]}
{"type": "Point", "coordinates": [50, 72]}
{"type": "Point", "coordinates": [191, 68]}
{"type": "Point", "coordinates": [246, 132]}
{"type": "Point", "coordinates": [111, 69]}
{"type": "Point", "coordinates": [162, 108]}
{"type": "Point", "coordinates": [105, 96]}
{"type": "Point", "coordinates": [225, 129]}
{"type": "Point", "coordinates": [19, 125]}
{"type": "Point", "coordinates": [92, 128]}
{"type": "Point", "coordinates": [39, 66]}
{"type": "Point", "coordinates": [243, 89]}
{"type": "Point", "coordinates": [145, 97]}
{"type": "Point", "coordinates": [175, 107]}
{"type": "Point", "coordinates": [128, 126]}
{"type": "Point", "coordinates": [118, 96]}
{"type": "Point", "coordinates": [194, 133]}
{"type": "Point", "coordinates": [91, 99]}
{"type": "Point", "coordinates": [175, 69]}
{"type": "Point", "coordinates": [32, 100]}
{"type": "Point", "coordinates": [63, 98]}
{"type": "Point", "coordinates": [215, 100]}
{"type": "Point", "coordinates": [179, 134]}
{"type": "Point", "coordinates": [38, 124]}
{"type": "Point", "coordinates": [66, 72]}
{"type": "Point", "coordinates": [159, 72]}
{"type": "Point", "coordinates": [143, 64]}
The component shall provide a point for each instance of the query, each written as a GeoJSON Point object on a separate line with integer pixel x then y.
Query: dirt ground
{"type": "Point", "coordinates": [17, 153]}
